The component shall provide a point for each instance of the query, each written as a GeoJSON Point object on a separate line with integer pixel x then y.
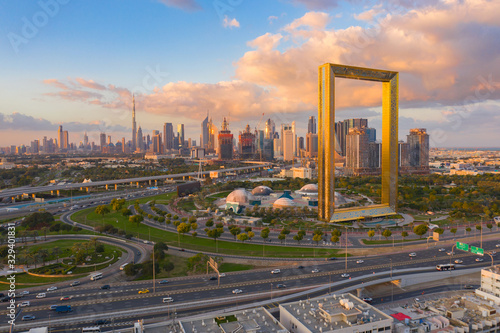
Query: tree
{"type": "Point", "coordinates": [55, 252]}
{"type": "Point", "coordinates": [242, 237]}
{"type": "Point", "coordinates": [209, 223]}
{"type": "Point", "coordinates": [194, 226]}
{"type": "Point", "coordinates": [126, 212]}
{"type": "Point", "coordinates": [386, 233]}
{"type": "Point", "coordinates": [251, 234]}
{"type": "Point", "coordinates": [489, 226]}
{"type": "Point", "coordinates": [371, 234]}
{"type": "Point", "coordinates": [281, 237]}
{"type": "Point", "coordinates": [468, 229]}
{"type": "Point", "coordinates": [440, 231]}
{"type": "Point", "coordinates": [235, 231]}
{"type": "Point", "coordinates": [420, 230]}
{"type": "Point", "coordinates": [404, 234]}
{"type": "Point", "coordinates": [102, 210]}
{"type": "Point", "coordinates": [43, 254]}
{"type": "Point", "coordinates": [183, 228]}
{"type": "Point", "coordinates": [336, 232]}
{"type": "Point", "coordinates": [136, 219]}
{"type": "Point", "coordinates": [334, 239]}
{"type": "Point", "coordinates": [248, 229]}
{"type": "Point", "coordinates": [317, 238]}
{"type": "Point", "coordinates": [478, 227]}
{"type": "Point", "coordinates": [453, 231]}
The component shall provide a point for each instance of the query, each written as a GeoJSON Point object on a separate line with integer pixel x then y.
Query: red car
{"type": "Point", "coordinates": [65, 298]}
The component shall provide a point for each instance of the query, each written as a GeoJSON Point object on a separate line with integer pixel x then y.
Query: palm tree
{"type": "Point", "coordinates": [55, 252]}
{"type": "Point", "coordinates": [43, 254]}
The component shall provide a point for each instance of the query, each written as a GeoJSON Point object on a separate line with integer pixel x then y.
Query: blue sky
{"type": "Point", "coordinates": [85, 59]}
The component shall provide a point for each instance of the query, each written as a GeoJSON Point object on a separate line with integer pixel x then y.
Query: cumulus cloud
{"type": "Point", "coordinates": [187, 5]}
{"type": "Point", "coordinates": [230, 23]}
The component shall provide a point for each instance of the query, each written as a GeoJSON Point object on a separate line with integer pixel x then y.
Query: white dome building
{"type": "Point", "coordinates": [240, 196]}
{"type": "Point", "coordinates": [309, 190]}
{"type": "Point", "coordinates": [284, 203]}
{"type": "Point", "coordinates": [262, 190]}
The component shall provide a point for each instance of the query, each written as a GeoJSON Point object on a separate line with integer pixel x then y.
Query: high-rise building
{"type": "Point", "coordinates": [205, 132]}
{"type": "Point", "coordinates": [372, 134]}
{"type": "Point", "coordinates": [418, 144]}
{"type": "Point", "coordinates": [357, 154]}
{"type": "Point", "coordinates": [403, 156]}
{"type": "Point", "coordinates": [374, 156]}
{"type": "Point", "coordinates": [60, 138]}
{"type": "Point", "coordinates": [124, 146]}
{"type": "Point", "coordinates": [139, 141]}
{"type": "Point", "coordinates": [35, 147]}
{"type": "Point", "coordinates": [180, 131]}
{"type": "Point", "coordinates": [168, 136]}
{"type": "Point", "coordinates": [342, 130]}
{"type": "Point", "coordinates": [300, 144]}
{"type": "Point", "coordinates": [45, 145]}
{"type": "Point", "coordinates": [225, 140]}
{"type": "Point", "coordinates": [109, 139]}
{"type": "Point", "coordinates": [66, 140]}
{"type": "Point", "coordinates": [247, 143]}
{"type": "Point", "coordinates": [156, 144]}
{"type": "Point", "coordinates": [102, 141]}
{"type": "Point", "coordinates": [277, 147]}
{"type": "Point", "coordinates": [312, 145]}
{"type": "Point", "coordinates": [134, 126]}
{"type": "Point", "coordinates": [288, 139]}
{"type": "Point", "coordinates": [311, 125]}
{"type": "Point", "coordinates": [269, 129]}
{"type": "Point", "coordinates": [85, 141]}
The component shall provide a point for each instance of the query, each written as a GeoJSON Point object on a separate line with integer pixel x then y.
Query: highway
{"type": "Point", "coordinates": [89, 300]}
{"type": "Point", "coordinates": [30, 190]}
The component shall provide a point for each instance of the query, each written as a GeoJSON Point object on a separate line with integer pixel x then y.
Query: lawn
{"type": "Point", "coordinates": [186, 205]}
{"type": "Point", "coordinates": [34, 280]}
{"type": "Point", "coordinates": [220, 194]}
{"type": "Point", "coordinates": [230, 267]}
{"type": "Point", "coordinates": [389, 241]}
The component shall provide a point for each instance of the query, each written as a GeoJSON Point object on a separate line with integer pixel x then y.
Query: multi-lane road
{"type": "Point", "coordinates": [91, 302]}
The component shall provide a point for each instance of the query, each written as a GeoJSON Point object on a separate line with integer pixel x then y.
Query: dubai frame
{"type": "Point", "coordinates": [327, 138]}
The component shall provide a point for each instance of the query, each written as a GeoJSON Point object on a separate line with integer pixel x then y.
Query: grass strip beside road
{"type": "Point", "coordinates": [389, 241]}
{"type": "Point", "coordinates": [89, 217]}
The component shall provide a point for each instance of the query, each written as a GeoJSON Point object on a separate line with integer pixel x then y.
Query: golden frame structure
{"type": "Point", "coordinates": [326, 141]}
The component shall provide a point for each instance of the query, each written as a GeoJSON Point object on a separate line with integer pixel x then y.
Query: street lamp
{"type": "Point", "coordinates": [392, 284]}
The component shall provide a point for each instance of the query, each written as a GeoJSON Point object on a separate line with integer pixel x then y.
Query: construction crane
{"type": "Point", "coordinates": [257, 134]}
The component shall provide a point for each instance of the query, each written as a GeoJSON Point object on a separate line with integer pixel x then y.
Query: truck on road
{"type": "Point", "coordinates": [63, 308]}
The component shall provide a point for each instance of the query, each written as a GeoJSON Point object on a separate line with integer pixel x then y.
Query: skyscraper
{"type": "Point", "coordinates": [134, 127]}
{"type": "Point", "coordinates": [225, 142]}
{"type": "Point", "coordinates": [102, 141]}
{"type": "Point", "coordinates": [312, 145]}
{"type": "Point", "coordinates": [205, 132]}
{"type": "Point", "coordinates": [418, 142]}
{"type": "Point", "coordinates": [311, 125]}
{"type": "Point", "coordinates": [180, 131]}
{"type": "Point", "coordinates": [85, 141]}
{"type": "Point", "coordinates": [372, 134]}
{"type": "Point", "coordinates": [247, 144]}
{"type": "Point", "coordinates": [65, 140]}
{"type": "Point", "coordinates": [168, 136]}
{"type": "Point", "coordinates": [139, 140]}
{"type": "Point", "coordinates": [288, 144]}
{"type": "Point", "coordinates": [357, 153]}
{"type": "Point", "coordinates": [60, 138]}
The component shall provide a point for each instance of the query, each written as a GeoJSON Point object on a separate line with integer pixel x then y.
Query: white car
{"type": "Point", "coordinates": [25, 292]}
{"type": "Point", "coordinates": [274, 271]}
{"type": "Point", "coordinates": [222, 275]}
{"type": "Point", "coordinates": [345, 275]}
{"type": "Point", "coordinates": [237, 291]}
{"type": "Point", "coordinates": [413, 254]}
{"type": "Point", "coordinates": [458, 261]}
{"type": "Point", "coordinates": [442, 249]}
{"type": "Point", "coordinates": [52, 288]}
{"type": "Point", "coordinates": [479, 259]}
{"type": "Point", "coordinates": [360, 261]}
{"type": "Point", "coordinates": [450, 253]}
{"type": "Point", "coordinates": [23, 304]}
{"type": "Point", "coordinates": [498, 245]}
{"type": "Point", "coordinates": [168, 300]}
{"type": "Point", "coordinates": [41, 295]}
{"type": "Point", "coordinates": [315, 270]}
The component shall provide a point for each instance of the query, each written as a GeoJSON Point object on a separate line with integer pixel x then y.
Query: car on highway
{"type": "Point", "coordinates": [23, 304]}
{"type": "Point", "coordinates": [143, 291]}
{"type": "Point", "coordinates": [222, 275]}
{"type": "Point", "coordinates": [451, 253]}
{"type": "Point", "coordinates": [52, 288]}
{"type": "Point", "coordinates": [493, 253]}
{"type": "Point", "coordinates": [28, 317]}
{"type": "Point", "coordinates": [53, 307]}
{"type": "Point", "coordinates": [345, 275]}
{"type": "Point", "coordinates": [368, 299]}
{"type": "Point", "coordinates": [101, 322]}
{"type": "Point", "coordinates": [413, 254]}
{"type": "Point", "coordinates": [41, 295]}
{"type": "Point", "coordinates": [237, 291]}
{"type": "Point", "coordinates": [75, 283]}
{"type": "Point", "coordinates": [163, 282]}
{"type": "Point", "coordinates": [332, 258]}
{"type": "Point", "coordinates": [168, 299]}
{"type": "Point", "coordinates": [442, 249]}
{"type": "Point", "coordinates": [25, 292]}
{"type": "Point", "coordinates": [468, 286]}
{"type": "Point", "coordinates": [498, 245]}
{"type": "Point", "coordinates": [458, 261]}
{"type": "Point", "coordinates": [213, 278]}
{"type": "Point", "coordinates": [275, 271]}
{"type": "Point", "coordinates": [300, 267]}
{"type": "Point", "coordinates": [65, 298]}
{"type": "Point", "coordinates": [280, 286]}
{"type": "Point", "coordinates": [315, 270]}
{"type": "Point", "coordinates": [106, 286]}
{"type": "Point", "coordinates": [360, 261]}
{"type": "Point", "coordinates": [479, 259]}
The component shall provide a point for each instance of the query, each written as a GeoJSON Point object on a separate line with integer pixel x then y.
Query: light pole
{"type": "Point", "coordinates": [392, 240]}
{"type": "Point", "coordinates": [428, 241]}
{"type": "Point", "coordinates": [451, 255]}
{"type": "Point", "coordinates": [392, 284]}
{"type": "Point", "coordinates": [271, 290]}
{"type": "Point", "coordinates": [491, 256]}
{"type": "Point", "coordinates": [346, 249]}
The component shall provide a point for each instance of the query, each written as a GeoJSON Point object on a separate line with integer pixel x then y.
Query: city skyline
{"type": "Point", "coordinates": [260, 58]}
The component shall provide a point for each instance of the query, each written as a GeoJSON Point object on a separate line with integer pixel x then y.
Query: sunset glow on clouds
{"type": "Point", "coordinates": [447, 54]}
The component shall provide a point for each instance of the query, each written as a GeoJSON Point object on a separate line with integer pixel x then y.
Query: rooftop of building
{"type": "Point", "coordinates": [334, 312]}
{"type": "Point", "coordinates": [254, 320]}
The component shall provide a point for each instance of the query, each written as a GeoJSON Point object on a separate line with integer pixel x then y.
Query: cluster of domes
{"type": "Point", "coordinates": [240, 196]}
{"type": "Point", "coordinates": [262, 190]}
